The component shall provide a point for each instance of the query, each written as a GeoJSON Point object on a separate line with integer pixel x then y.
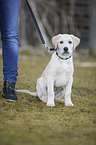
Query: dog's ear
{"type": "Point", "coordinates": [54, 40]}
{"type": "Point", "coordinates": [76, 40]}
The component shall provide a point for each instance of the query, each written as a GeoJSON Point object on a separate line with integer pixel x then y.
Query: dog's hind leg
{"type": "Point", "coordinates": [41, 89]}
{"type": "Point", "coordinates": [60, 100]}
{"type": "Point", "coordinates": [59, 94]}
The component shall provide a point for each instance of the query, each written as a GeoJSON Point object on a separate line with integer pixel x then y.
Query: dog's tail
{"type": "Point", "coordinates": [28, 92]}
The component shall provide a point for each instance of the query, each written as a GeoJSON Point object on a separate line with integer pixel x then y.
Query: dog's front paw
{"type": "Point", "coordinates": [50, 104]}
{"type": "Point", "coordinates": [69, 104]}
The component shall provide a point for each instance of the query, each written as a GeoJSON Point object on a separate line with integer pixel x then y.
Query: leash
{"type": "Point", "coordinates": [38, 29]}
{"type": "Point", "coordinates": [40, 34]}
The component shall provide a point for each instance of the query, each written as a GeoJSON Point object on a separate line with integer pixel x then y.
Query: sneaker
{"type": "Point", "coordinates": [9, 91]}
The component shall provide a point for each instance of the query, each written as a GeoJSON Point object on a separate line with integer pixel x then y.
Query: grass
{"type": "Point", "coordinates": [30, 121]}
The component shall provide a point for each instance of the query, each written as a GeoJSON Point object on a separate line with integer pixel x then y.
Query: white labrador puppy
{"type": "Point", "coordinates": [57, 78]}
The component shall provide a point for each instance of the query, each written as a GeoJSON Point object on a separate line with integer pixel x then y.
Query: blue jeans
{"type": "Point", "coordinates": [9, 36]}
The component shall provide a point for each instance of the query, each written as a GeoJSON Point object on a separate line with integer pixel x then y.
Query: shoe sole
{"type": "Point", "coordinates": [8, 100]}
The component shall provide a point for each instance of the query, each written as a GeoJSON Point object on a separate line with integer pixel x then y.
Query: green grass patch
{"type": "Point", "coordinates": [29, 121]}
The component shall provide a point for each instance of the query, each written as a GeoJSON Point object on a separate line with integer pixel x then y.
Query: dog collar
{"type": "Point", "coordinates": [63, 58]}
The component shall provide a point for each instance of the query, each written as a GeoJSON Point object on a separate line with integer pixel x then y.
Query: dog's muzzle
{"type": "Point", "coordinates": [65, 50]}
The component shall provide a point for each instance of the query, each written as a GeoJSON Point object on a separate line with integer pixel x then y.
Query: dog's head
{"type": "Point", "coordinates": [65, 44]}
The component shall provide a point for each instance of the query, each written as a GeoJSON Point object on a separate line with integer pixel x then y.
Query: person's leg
{"type": "Point", "coordinates": [9, 32]}
{"type": "Point", "coordinates": [10, 44]}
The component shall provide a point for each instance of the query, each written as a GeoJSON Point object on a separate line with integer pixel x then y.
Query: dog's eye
{"type": "Point", "coordinates": [61, 42]}
{"type": "Point", "coordinates": [70, 42]}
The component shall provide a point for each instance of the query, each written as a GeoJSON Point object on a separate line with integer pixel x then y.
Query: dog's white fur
{"type": "Point", "coordinates": [56, 80]}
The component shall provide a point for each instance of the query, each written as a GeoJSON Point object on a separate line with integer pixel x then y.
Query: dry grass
{"type": "Point", "coordinates": [30, 121]}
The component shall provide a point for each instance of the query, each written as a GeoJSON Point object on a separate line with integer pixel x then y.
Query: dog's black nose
{"type": "Point", "coordinates": [65, 48]}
